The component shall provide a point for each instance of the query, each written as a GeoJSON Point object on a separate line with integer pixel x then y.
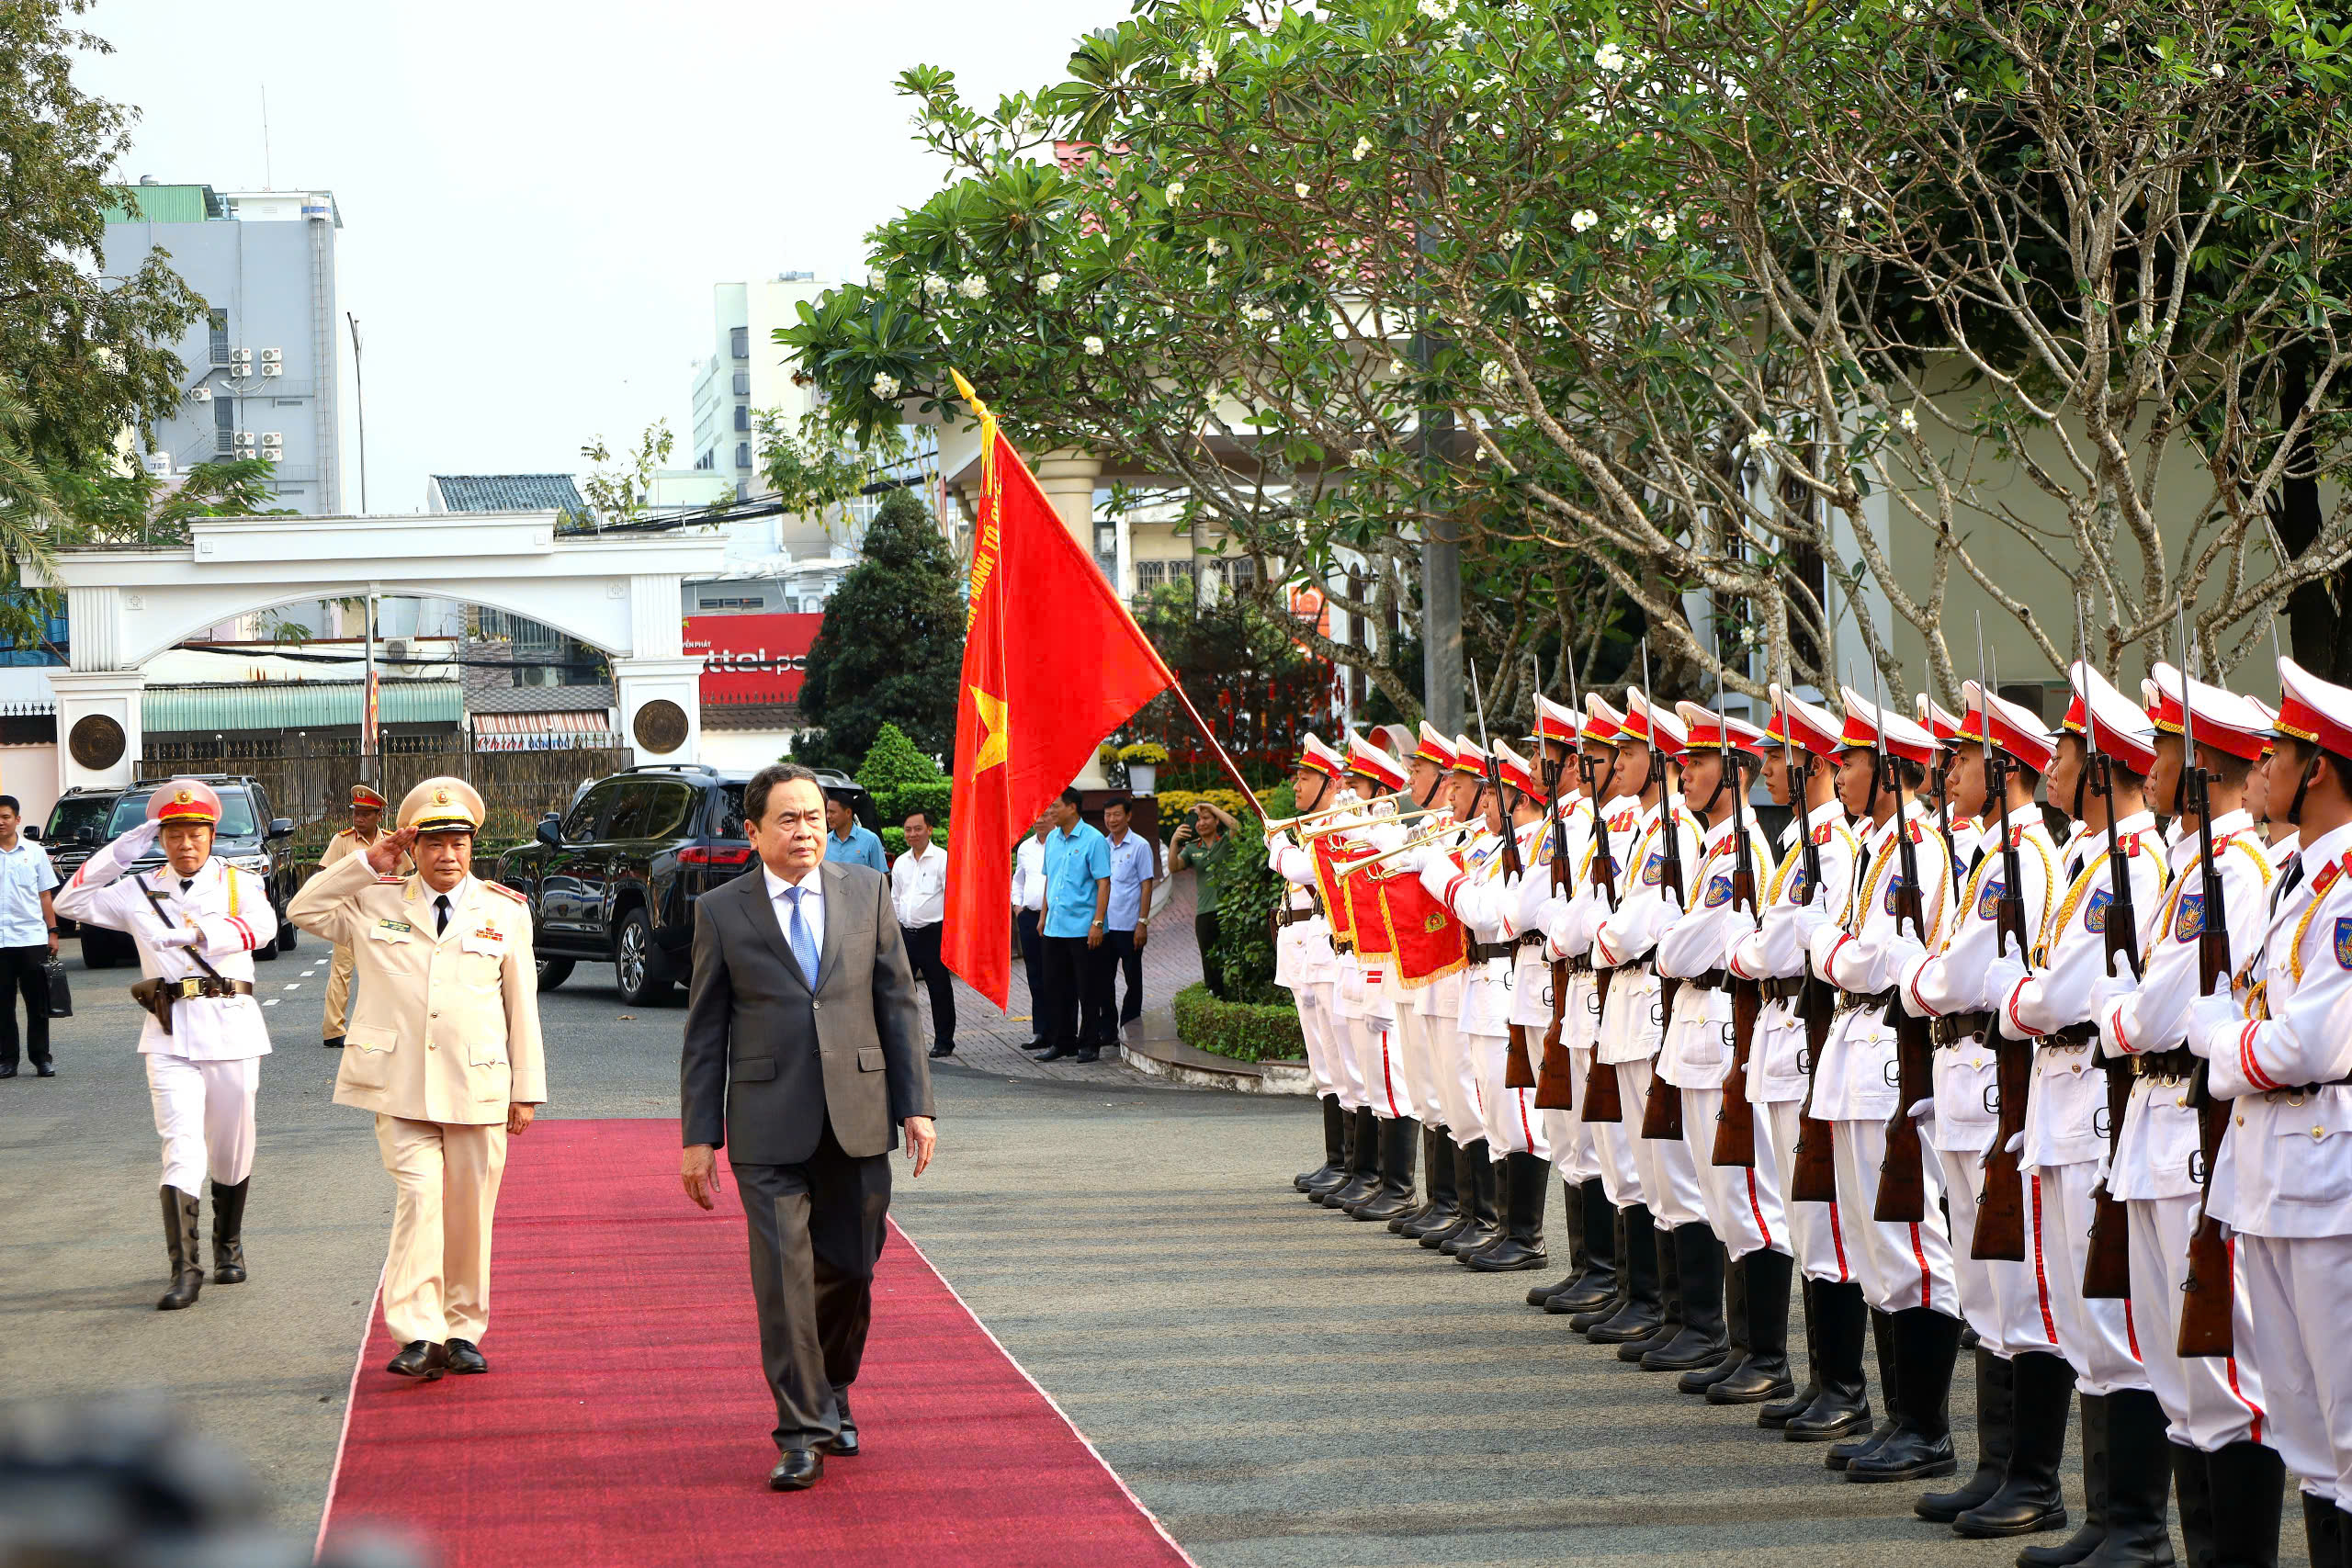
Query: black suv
{"type": "Point", "coordinates": [249, 838]}
{"type": "Point", "coordinates": [76, 810]}
{"type": "Point", "coordinates": [617, 877]}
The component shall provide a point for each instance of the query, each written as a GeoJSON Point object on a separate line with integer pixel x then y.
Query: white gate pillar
{"type": "Point", "coordinates": [660, 707]}
{"type": "Point", "coordinates": [99, 738]}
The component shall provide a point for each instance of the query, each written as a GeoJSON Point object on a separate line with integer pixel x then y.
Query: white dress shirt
{"type": "Point", "coordinates": [1029, 873]}
{"type": "Point", "coordinates": [812, 903]}
{"type": "Point", "coordinates": [919, 888]}
{"type": "Point", "coordinates": [25, 875]}
{"type": "Point", "coordinates": [456, 896]}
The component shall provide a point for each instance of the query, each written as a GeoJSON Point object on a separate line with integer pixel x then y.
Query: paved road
{"type": "Point", "coordinates": [1282, 1385]}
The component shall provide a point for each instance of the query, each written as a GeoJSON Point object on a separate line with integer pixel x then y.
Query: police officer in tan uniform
{"type": "Point", "coordinates": [367, 825]}
{"type": "Point", "coordinates": [443, 1048]}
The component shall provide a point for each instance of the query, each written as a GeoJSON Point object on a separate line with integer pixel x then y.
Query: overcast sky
{"type": "Point", "coordinates": [536, 198]}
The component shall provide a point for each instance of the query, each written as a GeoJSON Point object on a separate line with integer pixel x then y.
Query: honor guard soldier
{"type": "Point", "coordinates": [1303, 960]}
{"type": "Point", "coordinates": [1371, 993]}
{"type": "Point", "coordinates": [366, 825]}
{"type": "Point", "coordinates": [1462, 847]}
{"type": "Point", "coordinates": [1425, 1012]}
{"type": "Point", "coordinates": [445, 1049]}
{"type": "Point", "coordinates": [196, 921]}
{"type": "Point", "coordinates": [2281, 1049]}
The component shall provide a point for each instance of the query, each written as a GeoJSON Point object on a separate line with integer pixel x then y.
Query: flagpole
{"type": "Point", "coordinates": [1175, 684]}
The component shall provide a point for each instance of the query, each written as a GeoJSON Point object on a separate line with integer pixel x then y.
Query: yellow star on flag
{"type": "Point", "coordinates": [996, 744]}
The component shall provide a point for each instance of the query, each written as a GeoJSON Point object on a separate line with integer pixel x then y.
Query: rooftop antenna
{"type": "Point", "coordinates": [267, 176]}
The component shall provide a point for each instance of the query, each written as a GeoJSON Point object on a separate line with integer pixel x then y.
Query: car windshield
{"type": "Point", "coordinates": [76, 812]}
{"type": "Point", "coordinates": [236, 814]}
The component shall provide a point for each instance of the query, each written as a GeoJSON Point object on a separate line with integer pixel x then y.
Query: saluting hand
{"type": "Point", "coordinates": [384, 855]}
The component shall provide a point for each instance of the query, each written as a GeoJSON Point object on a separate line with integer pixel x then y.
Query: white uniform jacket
{"type": "Point", "coordinates": [1470, 882]}
{"type": "Point", "coordinates": [1635, 1027]}
{"type": "Point", "coordinates": [1856, 1080]}
{"type": "Point", "coordinates": [1303, 955]}
{"type": "Point", "coordinates": [1697, 1049]}
{"type": "Point", "coordinates": [230, 907]}
{"type": "Point", "coordinates": [1777, 952]}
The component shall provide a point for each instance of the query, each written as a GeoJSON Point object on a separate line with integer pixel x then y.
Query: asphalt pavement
{"type": "Point", "coordinates": [1281, 1384]}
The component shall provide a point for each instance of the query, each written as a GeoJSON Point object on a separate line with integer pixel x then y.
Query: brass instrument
{"type": "Point", "coordinates": [1349, 804]}
{"type": "Point", "coordinates": [1415, 842]}
{"type": "Point", "coordinates": [1370, 817]}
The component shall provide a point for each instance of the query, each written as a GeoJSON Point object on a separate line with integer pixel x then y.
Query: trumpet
{"type": "Point", "coordinates": [1427, 835]}
{"type": "Point", "coordinates": [1353, 824]}
{"type": "Point", "coordinates": [1351, 804]}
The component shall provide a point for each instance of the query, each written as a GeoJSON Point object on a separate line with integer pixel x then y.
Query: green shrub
{"type": "Point", "coordinates": [1246, 1032]}
{"type": "Point", "coordinates": [931, 795]}
{"type": "Point", "coordinates": [1245, 942]}
{"type": "Point", "coordinates": [894, 842]}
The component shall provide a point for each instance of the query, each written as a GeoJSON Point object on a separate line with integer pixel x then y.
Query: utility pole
{"type": "Point", "coordinates": [1440, 553]}
{"type": "Point", "coordinates": [360, 397]}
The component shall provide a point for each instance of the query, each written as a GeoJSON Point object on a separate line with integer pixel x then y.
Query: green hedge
{"type": "Point", "coordinates": [1246, 1032]}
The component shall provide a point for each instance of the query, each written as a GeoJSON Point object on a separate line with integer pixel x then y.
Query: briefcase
{"type": "Point", "coordinates": [60, 991]}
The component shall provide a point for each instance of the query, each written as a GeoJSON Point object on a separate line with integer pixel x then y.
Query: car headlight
{"type": "Point", "coordinates": [257, 864]}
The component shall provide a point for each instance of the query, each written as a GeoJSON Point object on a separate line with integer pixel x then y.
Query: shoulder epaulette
{"type": "Point", "coordinates": [1821, 834]}
{"type": "Point", "coordinates": [509, 892]}
{"type": "Point", "coordinates": [390, 881]}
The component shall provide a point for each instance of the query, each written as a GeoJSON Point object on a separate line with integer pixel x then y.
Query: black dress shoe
{"type": "Point", "coordinates": [1055, 1054]}
{"type": "Point", "coordinates": [465, 1355]}
{"type": "Point", "coordinates": [45, 1071]}
{"type": "Point", "coordinates": [843, 1445]}
{"type": "Point", "coordinates": [797, 1471]}
{"type": "Point", "coordinates": [939, 1051]}
{"type": "Point", "coordinates": [423, 1359]}
{"type": "Point", "coordinates": [332, 1043]}
{"type": "Point", "coordinates": [1090, 1055]}
{"type": "Point", "coordinates": [8, 1072]}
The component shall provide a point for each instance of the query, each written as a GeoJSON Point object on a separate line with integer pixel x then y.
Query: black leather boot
{"type": "Point", "coordinates": [1601, 1312]}
{"type": "Point", "coordinates": [1331, 1178]}
{"type": "Point", "coordinates": [1764, 1374]}
{"type": "Point", "coordinates": [2139, 1484]}
{"type": "Point", "coordinates": [1699, 1379]}
{"type": "Point", "coordinates": [1702, 1341]}
{"type": "Point", "coordinates": [1995, 1425]}
{"type": "Point", "coordinates": [1644, 1308]}
{"type": "Point", "coordinates": [2247, 1483]}
{"type": "Point", "coordinates": [183, 1244]}
{"type": "Point", "coordinates": [1572, 1222]}
{"type": "Point", "coordinates": [1928, 1348]}
{"type": "Point", "coordinates": [1777, 1413]}
{"type": "Point", "coordinates": [2093, 1529]}
{"type": "Point", "coordinates": [1526, 1178]}
{"type": "Point", "coordinates": [1669, 1299]}
{"type": "Point", "coordinates": [2027, 1499]}
{"type": "Point", "coordinates": [2192, 1497]}
{"type": "Point", "coordinates": [1841, 1325]}
{"type": "Point", "coordinates": [1445, 1206]}
{"type": "Point", "coordinates": [1890, 1394]}
{"type": "Point", "coordinates": [2322, 1531]}
{"type": "Point", "coordinates": [1400, 1138]}
{"type": "Point", "coordinates": [1427, 1200]}
{"type": "Point", "coordinates": [229, 1233]}
{"type": "Point", "coordinates": [1599, 1284]}
{"type": "Point", "coordinates": [1335, 1149]}
{"type": "Point", "coordinates": [1465, 1201]}
{"type": "Point", "coordinates": [1485, 1223]}
{"type": "Point", "coordinates": [1364, 1165]}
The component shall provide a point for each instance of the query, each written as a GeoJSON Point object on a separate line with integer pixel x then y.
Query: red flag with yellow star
{"type": "Point", "coordinates": [1052, 663]}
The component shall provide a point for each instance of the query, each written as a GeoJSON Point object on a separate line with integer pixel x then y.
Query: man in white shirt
{"type": "Point", "coordinates": [27, 942]}
{"type": "Point", "coordinates": [919, 897]}
{"type": "Point", "coordinates": [1028, 908]}
{"type": "Point", "coordinates": [1135, 865]}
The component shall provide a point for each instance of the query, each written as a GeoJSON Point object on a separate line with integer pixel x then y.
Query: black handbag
{"type": "Point", "coordinates": [60, 991]}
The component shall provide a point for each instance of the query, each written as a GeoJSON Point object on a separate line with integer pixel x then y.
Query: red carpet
{"type": "Point", "coordinates": [625, 1421]}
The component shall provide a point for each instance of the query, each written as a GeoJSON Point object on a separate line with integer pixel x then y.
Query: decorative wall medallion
{"type": "Point", "coordinates": [96, 741]}
{"type": "Point", "coordinates": [661, 727]}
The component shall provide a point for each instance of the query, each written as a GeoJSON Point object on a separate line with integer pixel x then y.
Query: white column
{"type": "Point", "coordinates": [97, 717]}
{"type": "Point", "coordinates": [672, 690]}
{"type": "Point", "coordinates": [1068, 479]}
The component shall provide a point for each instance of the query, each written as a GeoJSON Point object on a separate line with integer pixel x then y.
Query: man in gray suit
{"type": "Point", "coordinates": [803, 1057]}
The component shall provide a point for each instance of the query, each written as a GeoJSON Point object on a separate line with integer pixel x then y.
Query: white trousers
{"type": "Point", "coordinates": [445, 1184]}
{"type": "Point", "coordinates": [1513, 1125]}
{"type": "Point", "coordinates": [1670, 1182]}
{"type": "Point", "coordinates": [2213, 1401]}
{"type": "Point", "coordinates": [1456, 1082]}
{"type": "Point", "coordinates": [1612, 1143]}
{"type": "Point", "coordinates": [1314, 1001]}
{"type": "Point", "coordinates": [2296, 1289]}
{"type": "Point", "coordinates": [2099, 1337]}
{"type": "Point", "coordinates": [2003, 1300]}
{"type": "Point", "coordinates": [204, 1114]}
{"type": "Point", "coordinates": [1570, 1136]}
{"type": "Point", "coordinates": [1347, 1036]}
{"type": "Point", "coordinates": [1415, 1052]}
{"type": "Point", "coordinates": [1743, 1201]}
{"type": "Point", "coordinates": [1814, 1228]}
{"type": "Point", "coordinates": [1899, 1265]}
{"type": "Point", "coordinates": [1386, 1089]}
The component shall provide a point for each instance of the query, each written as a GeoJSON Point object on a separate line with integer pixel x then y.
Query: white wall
{"type": "Point", "coordinates": [30, 773]}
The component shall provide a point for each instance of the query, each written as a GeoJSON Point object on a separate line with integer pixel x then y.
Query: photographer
{"type": "Point", "coordinates": [1205, 844]}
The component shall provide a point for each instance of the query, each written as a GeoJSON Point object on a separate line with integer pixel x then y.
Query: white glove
{"type": "Point", "coordinates": [2108, 990]}
{"type": "Point", "coordinates": [2209, 1015]}
{"type": "Point", "coordinates": [1902, 952]}
{"type": "Point", "coordinates": [2002, 976]}
{"type": "Point", "coordinates": [180, 936]}
{"type": "Point", "coordinates": [1811, 918]}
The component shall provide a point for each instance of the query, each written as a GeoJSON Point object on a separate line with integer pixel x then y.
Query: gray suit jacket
{"type": "Point", "coordinates": [767, 1061]}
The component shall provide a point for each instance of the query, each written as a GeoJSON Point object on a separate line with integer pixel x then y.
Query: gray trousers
{"type": "Point", "coordinates": [817, 1229]}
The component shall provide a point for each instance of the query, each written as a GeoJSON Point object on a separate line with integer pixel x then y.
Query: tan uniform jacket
{"type": "Point", "coordinates": [349, 843]}
{"type": "Point", "coordinates": [446, 1031]}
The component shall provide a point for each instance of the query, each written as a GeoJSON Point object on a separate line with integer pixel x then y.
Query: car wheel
{"type": "Point", "coordinates": [97, 952]}
{"type": "Point", "coordinates": [639, 970]}
{"type": "Point", "coordinates": [554, 972]}
{"type": "Point", "coordinates": [288, 933]}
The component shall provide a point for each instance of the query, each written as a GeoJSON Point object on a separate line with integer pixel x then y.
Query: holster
{"type": "Point", "coordinates": [149, 995]}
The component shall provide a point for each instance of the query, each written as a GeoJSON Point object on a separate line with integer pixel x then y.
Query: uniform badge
{"type": "Point", "coordinates": [1799, 893]}
{"type": "Point", "coordinates": [1719, 890]}
{"type": "Point", "coordinates": [1894, 886]}
{"type": "Point", "coordinates": [2189, 923]}
{"type": "Point", "coordinates": [1433, 924]}
{"type": "Point", "coordinates": [2095, 913]}
{"type": "Point", "coordinates": [2344, 942]}
{"type": "Point", "coordinates": [1988, 897]}
{"type": "Point", "coordinates": [393, 925]}
{"type": "Point", "coordinates": [1653, 869]}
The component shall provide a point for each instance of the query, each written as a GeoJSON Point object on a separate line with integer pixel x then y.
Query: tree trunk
{"type": "Point", "coordinates": [2317, 636]}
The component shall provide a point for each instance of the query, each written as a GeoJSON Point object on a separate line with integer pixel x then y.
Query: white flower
{"type": "Point", "coordinates": [1662, 225]}
{"type": "Point", "coordinates": [1618, 231]}
{"type": "Point", "coordinates": [1175, 192]}
{"type": "Point", "coordinates": [1758, 440]}
{"type": "Point", "coordinates": [1218, 247]}
{"type": "Point", "coordinates": [1845, 215]}
{"type": "Point", "coordinates": [1908, 421]}
{"type": "Point", "coordinates": [1300, 186]}
{"type": "Point", "coordinates": [974, 287]}
{"type": "Point", "coordinates": [1493, 374]}
{"type": "Point", "coordinates": [1439, 10]}
{"type": "Point", "coordinates": [1364, 145]}
{"type": "Point", "coordinates": [934, 285]}
{"type": "Point", "coordinates": [2215, 70]}
{"type": "Point", "coordinates": [1510, 238]}
{"type": "Point", "coordinates": [1460, 36]}
{"type": "Point", "coordinates": [1545, 293]}
{"type": "Point", "coordinates": [1909, 13]}
{"type": "Point", "coordinates": [885, 387]}
{"type": "Point", "coordinates": [1257, 313]}
{"type": "Point", "coordinates": [1203, 65]}
{"type": "Point", "coordinates": [1960, 94]}
{"type": "Point", "coordinates": [1093, 346]}
{"type": "Point", "coordinates": [1609, 58]}
{"type": "Point", "coordinates": [1396, 369]}
{"type": "Point", "coordinates": [1358, 457]}
{"type": "Point", "coordinates": [1048, 282]}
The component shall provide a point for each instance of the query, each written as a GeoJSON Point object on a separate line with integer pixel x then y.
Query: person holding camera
{"type": "Point", "coordinates": [1205, 844]}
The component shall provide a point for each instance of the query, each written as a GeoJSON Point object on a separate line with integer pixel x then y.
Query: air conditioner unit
{"type": "Point", "coordinates": [241, 361]}
{"type": "Point", "coordinates": [272, 368]}
{"type": "Point", "coordinates": [199, 394]}
{"type": "Point", "coordinates": [272, 356]}
{"type": "Point", "coordinates": [272, 441]}
{"type": "Point", "coordinates": [244, 441]}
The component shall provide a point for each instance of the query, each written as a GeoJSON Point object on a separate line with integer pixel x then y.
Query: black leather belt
{"type": "Point", "coordinates": [1855, 1001]}
{"type": "Point", "coordinates": [204, 986]}
{"type": "Point", "coordinates": [2175, 1065]}
{"type": "Point", "coordinates": [1960, 1028]}
{"type": "Point", "coordinates": [1784, 987]}
{"type": "Point", "coordinates": [2074, 1037]}
{"type": "Point", "coordinates": [1530, 939]}
{"type": "Point", "coordinates": [1483, 951]}
{"type": "Point", "coordinates": [1580, 963]}
{"type": "Point", "coordinates": [1712, 980]}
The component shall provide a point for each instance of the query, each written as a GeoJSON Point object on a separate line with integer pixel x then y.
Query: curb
{"type": "Point", "coordinates": [1174, 1062]}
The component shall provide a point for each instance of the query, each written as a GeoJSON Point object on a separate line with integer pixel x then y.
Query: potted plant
{"type": "Point", "coordinates": [1143, 759]}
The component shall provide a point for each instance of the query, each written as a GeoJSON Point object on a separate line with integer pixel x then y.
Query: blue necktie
{"type": "Point", "coordinates": [803, 940]}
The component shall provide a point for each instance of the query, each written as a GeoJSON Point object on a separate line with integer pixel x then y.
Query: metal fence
{"type": "Point", "coordinates": [309, 779]}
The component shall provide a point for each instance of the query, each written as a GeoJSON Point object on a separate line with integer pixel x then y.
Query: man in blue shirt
{"type": "Point", "coordinates": [845, 840]}
{"type": "Point", "coordinates": [27, 942]}
{"type": "Point", "coordinates": [1077, 900]}
{"type": "Point", "coordinates": [1127, 925]}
